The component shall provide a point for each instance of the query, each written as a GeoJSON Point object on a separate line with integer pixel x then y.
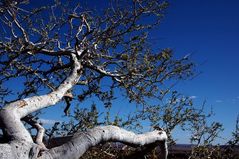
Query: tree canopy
{"type": "Point", "coordinates": [67, 50]}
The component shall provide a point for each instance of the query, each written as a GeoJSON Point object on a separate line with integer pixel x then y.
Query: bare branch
{"type": "Point", "coordinates": [40, 131]}
{"type": "Point", "coordinates": [81, 142]}
{"type": "Point", "coordinates": [38, 102]}
{"type": "Point", "coordinates": [115, 76]}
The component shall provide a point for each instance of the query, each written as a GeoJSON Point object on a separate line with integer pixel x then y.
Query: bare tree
{"type": "Point", "coordinates": [68, 50]}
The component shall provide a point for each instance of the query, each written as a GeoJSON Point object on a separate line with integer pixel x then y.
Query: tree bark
{"type": "Point", "coordinates": [82, 141]}
{"type": "Point", "coordinates": [12, 113]}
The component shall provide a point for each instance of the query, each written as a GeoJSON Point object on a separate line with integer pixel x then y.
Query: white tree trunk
{"type": "Point", "coordinates": [22, 146]}
{"type": "Point", "coordinates": [82, 141]}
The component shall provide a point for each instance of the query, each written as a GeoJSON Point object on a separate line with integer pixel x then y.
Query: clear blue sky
{"type": "Point", "coordinates": [209, 30]}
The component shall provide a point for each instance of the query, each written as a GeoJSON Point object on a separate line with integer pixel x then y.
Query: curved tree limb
{"type": "Point", "coordinates": [81, 142]}
{"type": "Point", "coordinates": [12, 113]}
{"type": "Point", "coordinates": [32, 104]}
{"type": "Point", "coordinates": [40, 131]}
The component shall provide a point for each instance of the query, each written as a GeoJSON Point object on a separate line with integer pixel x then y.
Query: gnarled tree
{"type": "Point", "coordinates": [65, 50]}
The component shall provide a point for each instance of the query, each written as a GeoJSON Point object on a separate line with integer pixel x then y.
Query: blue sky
{"type": "Point", "coordinates": [209, 30]}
